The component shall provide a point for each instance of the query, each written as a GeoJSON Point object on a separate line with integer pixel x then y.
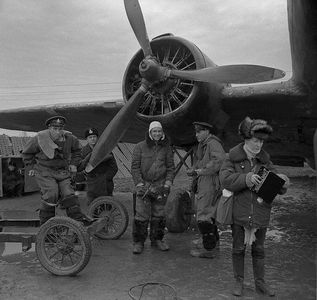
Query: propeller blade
{"type": "Point", "coordinates": [135, 16]}
{"type": "Point", "coordinates": [115, 129]}
{"type": "Point", "coordinates": [238, 74]}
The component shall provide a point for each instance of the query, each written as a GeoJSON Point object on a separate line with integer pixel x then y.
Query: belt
{"type": "Point", "coordinates": [53, 168]}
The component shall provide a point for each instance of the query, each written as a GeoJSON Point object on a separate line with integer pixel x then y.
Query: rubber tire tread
{"type": "Point", "coordinates": [178, 203]}
{"type": "Point", "coordinates": [123, 211]}
{"type": "Point", "coordinates": [81, 232]}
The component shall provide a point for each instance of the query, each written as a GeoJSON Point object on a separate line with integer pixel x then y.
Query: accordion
{"type": "Point", "coordinates": [269, 186]}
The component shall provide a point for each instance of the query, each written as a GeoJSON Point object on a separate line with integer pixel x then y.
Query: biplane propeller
{"type": "Point", "coordinates": [153, 72]}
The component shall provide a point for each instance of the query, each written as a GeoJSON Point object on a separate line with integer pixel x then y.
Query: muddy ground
{"type": "Point", "coordinates": [113, 270]}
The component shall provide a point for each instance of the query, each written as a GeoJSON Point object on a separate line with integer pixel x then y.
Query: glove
{"type": "Point", "coordinates": [72, 169]}
{"type": "Point", "coordinates": [191, 172]}
{"type": "Point", "coordinates": [286, 179]}
{"type": "Point", "coordinates": [140, 190]}
{"type": "Point", "coordinates": [31, 173]}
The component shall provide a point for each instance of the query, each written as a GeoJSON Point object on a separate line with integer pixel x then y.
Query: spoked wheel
{"type": "Point", "coordinates": [63, 246]}
{"type": "Point", "coordinates": [115, 215]}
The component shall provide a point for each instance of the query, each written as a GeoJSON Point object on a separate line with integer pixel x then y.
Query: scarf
{"type": "Point", "coordinates": [46, 143]}
{"type": "Point", "coordinates": [249, 235]}
{"type": "Point", "coordinates": [250, 154]}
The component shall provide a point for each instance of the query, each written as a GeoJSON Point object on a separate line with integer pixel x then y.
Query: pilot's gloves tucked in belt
{"type": "Point", "coordinates": [140, 189]}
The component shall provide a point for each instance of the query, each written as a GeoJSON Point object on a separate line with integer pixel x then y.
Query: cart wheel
{"type": "Point", "coordinates": [63, 246]}
{"type": "Point", "coordinates": [114, 212]}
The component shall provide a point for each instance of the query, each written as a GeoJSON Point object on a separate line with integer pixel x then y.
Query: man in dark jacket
{"type": "Point", "coordinates": [100, 179]}
{"type": "Point", "coordinates": [12, 181]}
{"type": "Point", "coordinates": [54, 155]}
{"type": "Point", "coordinates": [152, 170]}
{"type": "Point", "coordinates": [208, 158]}
{"type": "Point", "coordinates": [251, 215]}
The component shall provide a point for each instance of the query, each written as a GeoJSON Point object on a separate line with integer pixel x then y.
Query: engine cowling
{"type": "Point", "coordinates": [176, 103]}
{"type": "Point", "coordinates": [165, 98]}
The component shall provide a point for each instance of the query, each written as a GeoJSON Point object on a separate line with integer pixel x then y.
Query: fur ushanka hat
{"type": "Point", "coordinates": [258, 128]}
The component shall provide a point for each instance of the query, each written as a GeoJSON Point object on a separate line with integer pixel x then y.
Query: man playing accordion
{"type": "Point", "coordinates": [251, 215]}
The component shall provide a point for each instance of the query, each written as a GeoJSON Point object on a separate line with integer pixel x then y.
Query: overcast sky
{"type": "Point", "coordinates": [62, 51]}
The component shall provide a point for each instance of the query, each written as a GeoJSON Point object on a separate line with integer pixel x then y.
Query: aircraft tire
{"type": "Point", "coordinates": [178, 211]}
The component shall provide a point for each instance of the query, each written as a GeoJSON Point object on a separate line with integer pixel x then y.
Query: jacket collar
{"type": "Point", "coordinates": [209, 138]}
{"type": "Point", "coordinates": [152, 143]}
{"type": "Point", "coordinates": [237, 154]}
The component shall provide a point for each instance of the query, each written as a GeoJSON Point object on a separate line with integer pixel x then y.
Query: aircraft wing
{"type": "Point", "coordinates": [79, 117]}
{"type": "Point", "coordinates": [274, 101]}
{"type": "Point", "coordinates": [284, 105]}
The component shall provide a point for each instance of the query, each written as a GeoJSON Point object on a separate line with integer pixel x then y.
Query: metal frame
{"type": "Point", "coordinates": [25, 238]}
{"type": "Point", "coordinates": [182, 159]}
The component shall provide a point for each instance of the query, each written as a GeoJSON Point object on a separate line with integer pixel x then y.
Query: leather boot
{"type": "Point", "coordinates": [258, 271]}
{"type": "Point", "coordinates": [157, 227]}
{"type": "Point", "coordinates": [46, 214]}
{"type": "Point", "coordinates": [138, 248]}
{"type": "Point", "coordinates": [202, 253]}
{"type": "Point", "coordinates": [238, 288]}
{"type": "Point", "coordinates": [139, 234]}
{"type": "Point", "coordinates": [238, 271]}
{"type": "Point", "coordinates": [75, 213]}
{"type": "Point", "coordinates": [208, 241]}
{"type": "Point", "coordinates": [160, 244]}
{"type": "Point", "coordinates": [209, 234]}
{"type": "Point", "coordinates": [73, 210]}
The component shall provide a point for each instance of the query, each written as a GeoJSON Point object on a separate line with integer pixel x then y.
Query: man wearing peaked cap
{"type": "Point", "coordinates": [100, 179]}
{"type": "Point", "coordinates": [204, 125]}
{"type": "Point", "coordinates": [58, 121]}
{"type": "Point", "coordinates": [54, 155]}
{"type": "Point", "coordinates": [208, 158]}
{"type": "Point", "coordinates": [91, 132]}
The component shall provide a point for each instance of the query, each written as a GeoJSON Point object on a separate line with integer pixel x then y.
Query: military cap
{"type": "Point", "coordinates": [55, 121]}
{"type": "Point", "coordinates": [203, 126]}
{"type": "Point", "coordinates": [91, 131]}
